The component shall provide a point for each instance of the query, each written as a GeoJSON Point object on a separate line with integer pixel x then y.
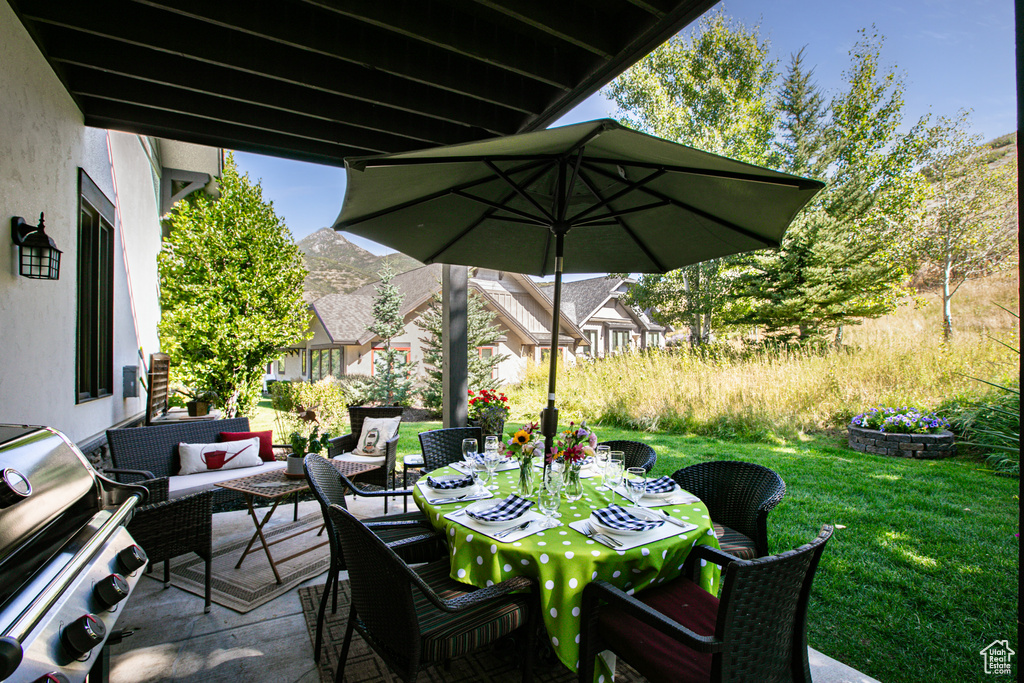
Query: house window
{"type": "Point", "coordinates": [488, 352]}
{"type": "Point", "coordinates": [324, 363]}
{"type": "Point", "coordinates": [303, 364]}
{"type": "Point", "coordinates": [592, 338]}
{"type": "Point", "coordinates": [546, 350]}
{"type": "Point", "coordinates": [280, 367]}
{"type": "Point", "coordinates": [653, 340]}
{"type": "Point", "coordinates": [374, 352]}
{"type": "Point", "coordinates": [95, 343]}
{"type": "Point", "coordinates": [620, 340]}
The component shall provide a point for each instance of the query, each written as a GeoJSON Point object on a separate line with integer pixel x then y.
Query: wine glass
{"type": "Point", "coordinates": [601, 460]}
{"type": "Point", "coordinates": [636, 484]}
{"type": "Point", "coordinates": [490, 443]}
{"type": "Point", "coordinates": [469, 451]}
{"type": "Point", "coordinates": [613, 471]}
{"type": "Point", "coordinates": [481, 474]}
{"type": "Point", "coordinates": [553, 481]}
{"type": "Point", "coordinates": [548, 500]}
{"type": "Point", "coordinates": [490, 464]}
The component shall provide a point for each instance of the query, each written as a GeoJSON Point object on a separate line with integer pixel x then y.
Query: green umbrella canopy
{"type": "Point", "coordinates": [632, 202]}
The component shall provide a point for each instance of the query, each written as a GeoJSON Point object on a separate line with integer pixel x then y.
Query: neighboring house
{"type": "Point", "coordinates": [76, 347]}
{"type": "Point", "coordinates": [342, 343]}
{"type": "Point", "coordinates": [609, 325]}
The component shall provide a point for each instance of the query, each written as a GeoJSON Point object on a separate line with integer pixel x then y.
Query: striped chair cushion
{"type": "Point", "coordinates": [735, 543]}
{"type": "Point", "coordinates": [452, 634]}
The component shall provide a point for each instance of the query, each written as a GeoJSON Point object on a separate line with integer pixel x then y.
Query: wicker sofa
{"type": "Point", "coordinates": [152, 452]}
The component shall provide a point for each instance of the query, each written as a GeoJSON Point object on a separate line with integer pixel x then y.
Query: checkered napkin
{"type": "Point", "coordinates": [450, 481]}
{"type": "Point", "coordinates": [616, 517]}
{"type": "Point", "coordinates": [661, 485]}
{"type": "Point", "coordinates": [478, 458]}
{"type": "Point", "coordinates": [510, 508]}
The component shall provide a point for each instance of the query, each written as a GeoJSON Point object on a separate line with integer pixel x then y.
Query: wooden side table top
{"type": "Point", "coordinates": [275, 485]}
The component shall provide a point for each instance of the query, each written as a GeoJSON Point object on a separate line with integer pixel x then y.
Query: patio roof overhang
{"type": "Point", "coordinates": [319, 80]}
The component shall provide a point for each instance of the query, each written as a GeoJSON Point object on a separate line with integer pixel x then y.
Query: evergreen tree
{"type": "Point", "coordinates": [230, 291]}
{"type": "Point", "coordinates": [392, 372]}
{"type": "Point", "coordinates": [481, 331]}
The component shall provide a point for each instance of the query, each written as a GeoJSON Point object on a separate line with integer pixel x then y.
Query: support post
{"type": "Point", "coordinates": [455, 345]}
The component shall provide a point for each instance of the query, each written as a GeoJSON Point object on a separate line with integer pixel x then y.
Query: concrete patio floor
{"type": "Point", "coordinates": [175, 641]}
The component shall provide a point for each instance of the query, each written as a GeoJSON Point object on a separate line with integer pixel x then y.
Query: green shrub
{"type": "Point", "coordinates": [357, 389]}
{"type": "Point", "coordinates": [992, 427]}
{"type": "Point", "coordinates": [325, 398]}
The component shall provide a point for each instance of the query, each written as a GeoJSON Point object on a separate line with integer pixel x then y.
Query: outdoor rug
{"type": "Point", "coordinates": [499, 664]}
{"type": "Point", "coordinates": [254, 584]}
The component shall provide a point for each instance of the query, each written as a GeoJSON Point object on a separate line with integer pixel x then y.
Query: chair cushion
{"type": "Point", "coordinates": [735, 543]}
{"type": "Point", "coordinates": [178, 486]}
{"type": "Point", "coordinates": [266, 441]}
{"type": "Point", "coordinates": [227, 455]}
{"type": "Point", "coordinates": [657, 656]}
{"type": "Point", "coordinates": [452, 634]}
{"type": "Point", "coordinates": [376, 432]}
{"type": "Point", "coordinates": [355, 457]}
{"type": "Point", "coordinates": [413, 460]}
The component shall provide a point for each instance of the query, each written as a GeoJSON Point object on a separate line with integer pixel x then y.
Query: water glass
{"type": "Point", "coordinates": [490, 464]}
{"type": "Point", "coordinates": [613, 471]}
{"type": "Point", "coordinates": [636, 484]}
{"type": "Point", "coordinates": [481, 474]}
{"type": "Point", "coordinates": [547, 502]}
{"type": "Point", "coordinates": [490, 444]}
{"type": "Point", "coordinates": [469, 451]}
{"type": "Point", "coordinates": [601, 460]}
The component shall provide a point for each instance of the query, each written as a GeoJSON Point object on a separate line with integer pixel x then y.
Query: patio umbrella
{"type": "Point", "coordinates": [604, 197]}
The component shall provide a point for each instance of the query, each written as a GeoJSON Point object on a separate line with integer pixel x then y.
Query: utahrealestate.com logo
{"type": "Point", "coordinates": [998, 657]}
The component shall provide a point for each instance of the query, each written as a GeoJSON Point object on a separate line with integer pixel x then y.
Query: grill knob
{"type": "Point", "coordinates": [82, 635]}
{"type": "Point", "coordinates": [131, 558]}
{"type": "Point", "coordinates": [14, 486]}
{"type": "Point", "coordinates": [110, 591]}
{"type": "Point", "coordinates": [53, 677]}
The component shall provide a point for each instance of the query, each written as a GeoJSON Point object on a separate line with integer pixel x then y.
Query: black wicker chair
{"type": "Point", "coordinates": [636, 453]}
{"type": "Point", "coordinates": [166, 529]}
{"type": "Point", "coordinates": [384, 476]}
{"type": "Point", "coordinates": [444, 446]}
{"type": "Point", "coordinates": [414, 617]}
{"type": "Point", "coordinates": [739, 496]}
{"type": "Point", "coordinates": [679, 633]}
{"type": "Point", "coordinates": [410, 535]}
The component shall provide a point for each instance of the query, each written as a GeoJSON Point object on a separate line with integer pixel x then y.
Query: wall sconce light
{"type": "Point", "coordinates": [39, 256]}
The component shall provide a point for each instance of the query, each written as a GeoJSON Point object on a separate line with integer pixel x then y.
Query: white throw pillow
{"type": "Point", "coordinates": [377, 431]}
{"type": "Point", "coordinates": [214, 457]}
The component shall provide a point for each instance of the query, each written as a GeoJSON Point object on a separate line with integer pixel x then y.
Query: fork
{"type": "Point", "coordinates": [512, 530]}
{"type": "Point", "coordinates": [590, 532]}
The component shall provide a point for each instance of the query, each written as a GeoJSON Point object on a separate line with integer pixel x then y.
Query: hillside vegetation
{"type": "Point", "coordinates": [336, 265]}
{"type": "Point", "coordinates": [727, 391]}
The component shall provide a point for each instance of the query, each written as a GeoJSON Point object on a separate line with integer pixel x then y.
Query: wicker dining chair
{"type": "Point", "coordinates": [679, 633]}
{"type": "Point", "coordinates": [412, 617]}
{"type": "Point", "coordinates": [739, 496]}
{"type": "Point", "coordinates": [636, 453]}
{"type": "Point", "coordinates": [444, 446]}
{"type": "Point", "coordinates": [409, 534]}
{"type": "Point", "coordinates": [384, 476]}
{"type": "Point", "coordinates": [166, 529]}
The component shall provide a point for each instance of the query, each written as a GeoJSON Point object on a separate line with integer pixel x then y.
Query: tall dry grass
{"type": "Point", "coordinates": [896, 360]}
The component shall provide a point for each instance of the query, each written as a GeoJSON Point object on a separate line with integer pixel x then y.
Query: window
{"type": "Point", "coordinates": [592, 338]}
{"type": "Point", "coordinates": [280, 367]}
{"type": "Point", "coordinates": [620, 340]}
{"type": "Point", "coordinates": [488, 352]}
{"type": "Point", "coordinates": [303, 363]}
{"type": "Point", "coordinates": [95, 343]}
{"type": "Point", "coordinates": [545, 350]}
{"type": "Point", "coordinates": [653, 340]}
{"type": "Point", "coordinates": [323, 363]}
{"type": "Point", "coordinates": [374, 352]}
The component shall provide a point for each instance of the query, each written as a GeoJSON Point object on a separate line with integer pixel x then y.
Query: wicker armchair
{"type": "Point", "coordinates": [413, 617]}
{"type": "Point", "coordinates": [384, 476]}
{"type": "Point", "coordinates": [166, 529]}
{"type": "Point", "coordinates": [739, 496]}
{"type": "Point", "coordinates": [679, 633]}
{"type": "Point", "coordinates": [637, 453]}
{"type": "Point", "coordinates": [444, 446]}
{"type": "Point", "coordinates": [410, 535]}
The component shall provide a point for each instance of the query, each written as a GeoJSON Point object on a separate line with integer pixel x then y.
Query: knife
{"type": "Point", "coordinates": [511, 530]}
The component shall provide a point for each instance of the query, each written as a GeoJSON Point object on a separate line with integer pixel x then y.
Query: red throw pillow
{"type": "Point", "coordinates": [266, 441]}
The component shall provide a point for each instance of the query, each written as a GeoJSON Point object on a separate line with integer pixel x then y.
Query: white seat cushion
{"type": "Point", "coordinates": [365, 459]}
{"type": "Point", "coordinates": [414, 460]}
{"type": "Point", "coordinates": [182, 485]}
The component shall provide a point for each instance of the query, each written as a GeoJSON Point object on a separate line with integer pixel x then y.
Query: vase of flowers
{"type": "Point", "coordinates": [576, 444]}
{"type": "Point", "coordinates": [488, 410]}
{"type": "Point", "coordinates": [524, 447]}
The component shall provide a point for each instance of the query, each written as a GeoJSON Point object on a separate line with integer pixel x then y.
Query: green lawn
{"type": "Point", "coordinates": [922, 571]}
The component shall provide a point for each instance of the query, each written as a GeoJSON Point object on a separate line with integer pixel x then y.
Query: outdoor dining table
{"type": "Point", "coordinates": [563, 560]}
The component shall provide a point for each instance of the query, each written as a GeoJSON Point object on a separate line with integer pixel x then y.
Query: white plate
{"type": "Point", "coordinates": [664, 495]}
{"type": "Point", "coordinates": [616, 532]}
{"type": "Point", "coordinates": [485, 504]}
{"type": "Point", "coordinates": [449, 493]}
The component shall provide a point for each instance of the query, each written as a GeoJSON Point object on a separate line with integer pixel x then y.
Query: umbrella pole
{"type": "Point", "coordinates": [549, 416]}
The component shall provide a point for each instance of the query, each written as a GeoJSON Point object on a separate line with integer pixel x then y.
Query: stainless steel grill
{"type": "Point", "coordinates": [67, 564]}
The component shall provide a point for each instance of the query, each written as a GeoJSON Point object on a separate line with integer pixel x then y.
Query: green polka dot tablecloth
{"type": "Point", "coordinates": [563, 560]}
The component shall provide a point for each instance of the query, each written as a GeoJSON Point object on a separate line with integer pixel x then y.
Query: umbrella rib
{"type": "Point", "coordinates": [789, 181]}
{"type": "Point", "coordinates": [629, 231]}
{"type": "Point", "coordinates": [572, 184]}
{"type": "Point", "coordinates": [596, 220]}
{"type": "Point", "coordinates": [435, 195]}
{"type": "Point", "coordinates": [700, 212]}
{"type": "Point", "coordinates": [521, 191]}
{"type": "Point", "coordinates": [527, 218]}
{"type": "Point", "coordinates": [626, 190]}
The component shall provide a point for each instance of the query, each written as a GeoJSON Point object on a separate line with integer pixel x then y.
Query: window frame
{"type": "Point", "coordinates": [373, 356]}
{"type": "Point", "coordinates": [94, 293]}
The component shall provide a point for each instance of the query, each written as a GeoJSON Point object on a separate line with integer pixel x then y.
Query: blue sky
{"type": "Point", "coordinates": [952, 55]}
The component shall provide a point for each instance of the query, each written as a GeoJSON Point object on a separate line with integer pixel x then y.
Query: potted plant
{"type": "Point", "coordinates": [200, 400]}
{"type": "Point", "coordinates": [488, 410]}
{"type": "Point", "coordinates": [304, 444]}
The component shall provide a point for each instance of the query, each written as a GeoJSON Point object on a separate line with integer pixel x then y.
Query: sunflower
{"type": "Point", "coordinates": [521, 437]}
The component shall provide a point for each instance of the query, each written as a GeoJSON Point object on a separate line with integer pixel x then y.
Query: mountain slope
{"type": "Point", "coordinates": [337, 265]}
